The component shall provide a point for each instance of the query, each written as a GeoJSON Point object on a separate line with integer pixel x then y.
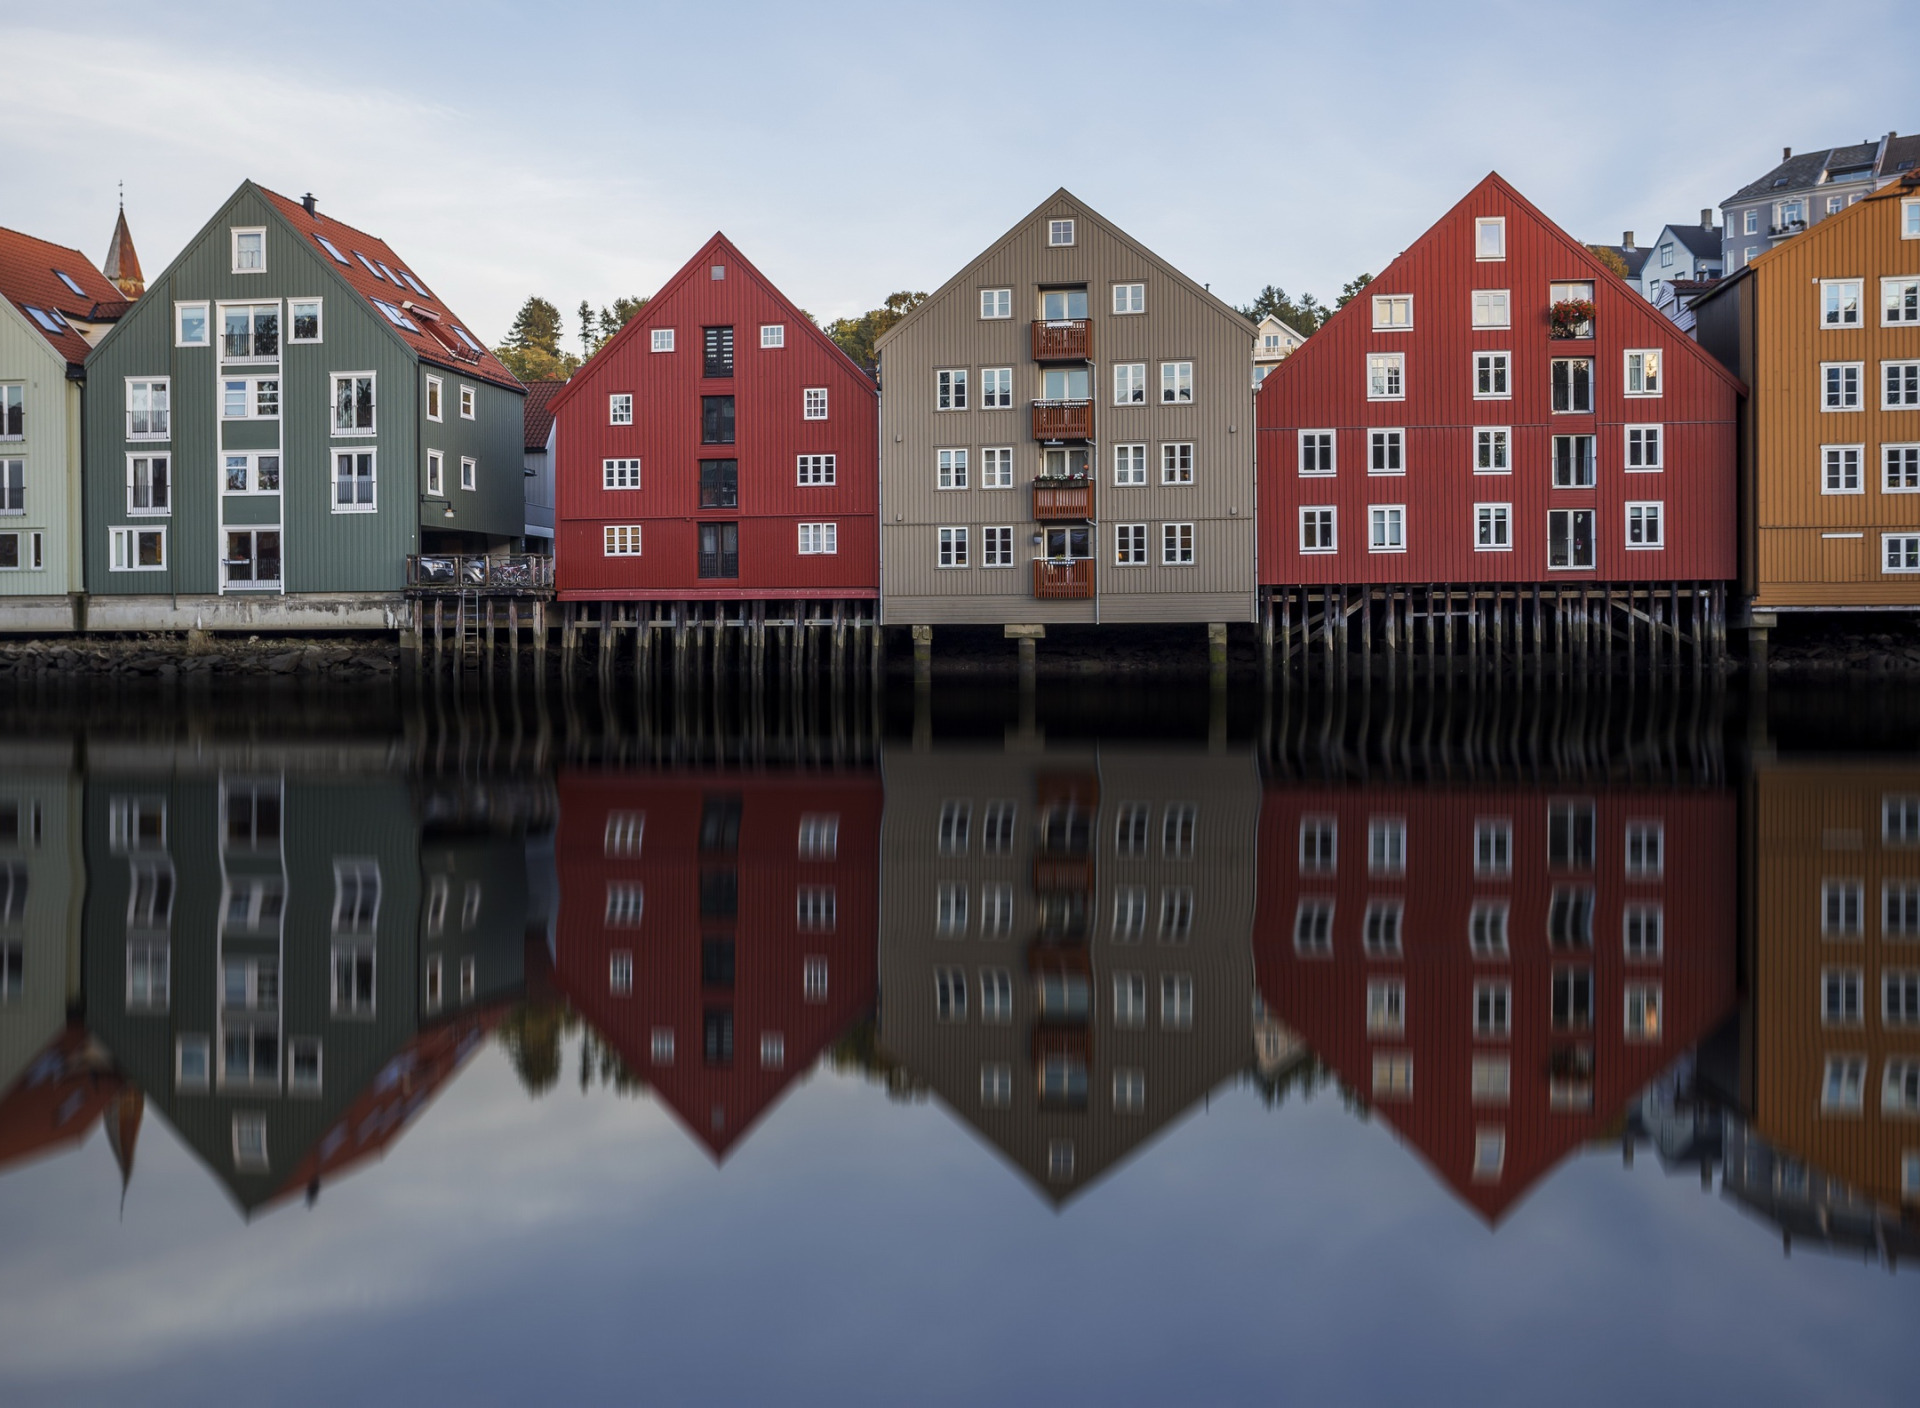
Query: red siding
{"type": "Point", "coordinates": [718, 1103]}
{"type": "Point", "coordinates": [1324, 1000]}
{"type": "Point", "coordinates": [1324, 386]}
{"type": "Point", "coordinates": [770, 435]}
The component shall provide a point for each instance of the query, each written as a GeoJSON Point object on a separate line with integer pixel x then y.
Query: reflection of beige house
{"type": "Point", "coordinates": [1065, 942]}
{"type": "Point", "coordinates": [1272, 342]}
{"type": "Point", "coordinates": [40, 892]}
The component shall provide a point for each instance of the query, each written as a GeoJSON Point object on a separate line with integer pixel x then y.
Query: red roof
{"type": "Point", "coordinates": [30, 279]}
{"type": "Point", "coordinates": [539, 411]}
{"type": "Point", "coordinates": [365, 262]}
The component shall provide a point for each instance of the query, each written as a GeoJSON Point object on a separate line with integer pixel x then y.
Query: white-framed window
{"type": "Point", "coordinates": [137, 549]}
{"type": "Point", "coordinates": [1910, 219]}
{"type": "Point", "coordinates": [249, 332]}
{"type": "Point", "coordinates": [149, 408]}
{"type": "Point", "coordinates": [1317, 452]}
{"type": "Point", "coordinates": [662, 340]}
{"type": "Point", "coordinates": [1319, 845]}
{"type": "Point", "coordinates": [1490, 237]}
{"type": "Point", "coordinates": [1178, 827]}
{"type": "Point", "coordinates": [1900, 997]}
{"type": "Point", "coordinates": [1646, 525]}
{"type": "Point", "coordinates": [813, 978]}
{"type": "Point", "coordinates": [1176, 544]}
{"type": "Point", "coordinates": [996, 1085]}
{"type": "Point", "coordinates": [1571, 381]}
{"type": "Point", "coordinates": [1840, 385]}
{"type": "Point", "coordinates": [816, 909]}
{"type": "Point", "coordinates": [249, 250]}
{"type": "Point", "coordinates": [192, 1064]}
{"type": "Point", "coordinates": [996, 546]}
{"type": "Point", "coordinates": [356, 895]}
{"type": "Point", "coordinates": [1899, 385]}
{"type": "Point", "coordinates": [1643, 931]}
{"type": "Point", "coordinates": [1392, 1075]}
{"type": "Point", "coordinates": [1130, 829]}
{"type": "Point", "coordinates": [1489, 1154]}
{"type": "Point", "coordinates": [950, 389]}
{"type": "Point", "coordinates": [353, 403]}
{"type": "Point", "coordinates": [996, 303]}
{"type": "Point", "coordinates": [1900, 1088]}
{"type": "Point", "coordinates": [1843, 1085]}
{"type": "Point", "coordinates": [1899, 301]}
{"type": "Point", "coordinates": [1130, 545]}
{"type": "Point", "coordinates": [1646, 850]}
{"type": "Point", "coordinates": [1491, 449]}
{"type": "Point", "coordinates": [660, 1046]}
{"type": "Point", "coordinates": [469, 472]}
{"type": "Point", "coordinates": [1492, 308]}
{"type": "Point", "coordinates": [1387, 845]}
{"type": "Point", "coordinates": [1059, 232]}
{"type": "Point", "coordinates": [1176, 1002]}
{"type": "Point", "coordinates": [1493, 1009]}
{"type": "Point", "coordinates": [622, 474]}
{"type": "Point", "coordinates": [1386, 452]}
{"type": "Point", "coordinates": [950, 994]}
{"type": "Point", "coordinates": [354, 481]}
{"type": "Point", "coordinates": [1490, 379]}
{"type": "Point", "coordinates": [996, 467]}
{"type": "Point", "coordinates": [953, 547]}
{"type": "Point", "coordinates": [466, 403]}
{"type": "Point", "coordinates": [1380, 928]}
{"type": "Point", "coordinates": [1313, 928]}
{"type": "Point", "coordinates": [619, 408]}
{"type": "Point", "coordinates": [433, 399]}
{"type": "Point", "coordinates": [1392, 312]}
{"type": "Point", "coordinates": [620, 540]}
{"type": "Point", "coordinates": [12, 558]}
{"type": "Point", "coordinates": [1318, 529]}
{"type": "Point", "coordinates": [773, 334]}
{"type": "Point", "coordinates": [1900, 909]}
{"type": "Point", "coordinates": [1644, 448]}
{"type": "Point", "coordinates": [951, 468]}
{"type": "Point", "coordinates": [1487, 929]}
{"type": "Point", "coordinates": [996, 907]}
{"type": "Point", "coordinates": [1840, 1000]}
{"type": "Point", "coordinates": [996, 996]}
{"type": "Point", "coordinates": [1575, 460]}
{"type": "Point", "coordinates": [1899, 821]}
{"type": "Point", "coordinates": [1750, 224]}
{"type": "Point", "coordinates": [819, 539]}
{"type": "Point", "coordinates": [1129, 298]}
{"type": "Point", "coordinates": [811, 469]}
{"type": "Point", "coordinates": [625, 834]}
{"type": "Point", "coordinates": [304, 320]}
{"type": "Point", "coordinates": [1493, 846]}
{"type": "Point", "coordinates": [1386, 376]}
{"type": "Point", "coordinates": [1176, 462]}
{"type": "Point", "coordinates": [1129, 383]}
{"type": "Point", "coordinates": [996, 388]}
{"type": "Point", "coordinates": [1493, 527]}
{"type": "Point", "coordinates": [149, 485]}
{"type": "Point", "coordinates": [620, 972]}
{"type": "Point", "coordinates": [1839, 303]}
{"type": "Point", "coordinates": [813, 403]}
{"type": "Point", "coordinates": [190, 325]}
{"type": "Point", "coordinates": [1130, 916]}
{"type": "Point", "coordinates": [1386, 1007]}
{"type": "Point", "coordinates": [1900, 552]}
{"type": "Point", "coordinates": [1492, 1082]}
{"type": "Point", "coordinates": [1643, 1010]}
{"type": "Point", "coordinates": [13, 425]}
{"type": "Point", "coordinates": [1386, 528]}
{"type": "Point", "coordinates": [250, 398]}
{"type": "Point", "coordinates": [1129, 465]}
{"type": "Point", "coordinates": [1176, 383]}
{"type": "Point", "coordinates": [1643, 372]}
{"type": "Point", "coordinates": [1176, 914]}
{"type": "Point", "coordinates": [1840, 472]}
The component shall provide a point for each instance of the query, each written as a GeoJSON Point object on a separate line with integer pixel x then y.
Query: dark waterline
{"type": "Point", "coordinates": [1286, 1163]}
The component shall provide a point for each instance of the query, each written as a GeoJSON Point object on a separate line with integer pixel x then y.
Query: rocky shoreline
{"type": "Point", "coordinates": [173, 657]}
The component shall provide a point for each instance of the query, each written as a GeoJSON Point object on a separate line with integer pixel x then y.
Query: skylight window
{"type": "Point", "coordinates": [371, 268]}
{"type": "Point", "coordinates": [414, 284]}
{"type": "Point", "coordinates": [462, 332]}
{"type": "Point", "coordinates": [67, 279]}
{"type": "Point", "coordinates": [329, 246]}
{"type": "Point", "coordinates": [44, 318]}
{"type": "Point", "coordinates": [392, 278]}
{"type": "Point", "coordinates": [395, 316]}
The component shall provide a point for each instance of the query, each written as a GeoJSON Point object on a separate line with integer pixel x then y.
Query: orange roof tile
{"type": "Point", "coordinates": [30, 271]}
{"type": "Point", "coordinates": [539, 415]}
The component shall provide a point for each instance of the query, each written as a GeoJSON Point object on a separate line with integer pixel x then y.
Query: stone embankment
{"type": "Point", "coordinates": [1812, 653]}
{"type": "Point", "coordinates": [189, 657]}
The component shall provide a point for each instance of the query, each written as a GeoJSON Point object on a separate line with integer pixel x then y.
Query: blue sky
{"type": "Point", "coordinates": [853, 149]}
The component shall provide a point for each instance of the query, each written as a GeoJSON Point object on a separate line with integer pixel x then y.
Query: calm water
{"type": "Point", "coordinates": [1153, 1048]}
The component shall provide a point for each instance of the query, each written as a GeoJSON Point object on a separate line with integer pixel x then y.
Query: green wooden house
{"type": "Point", "coordinates": [320, 415]}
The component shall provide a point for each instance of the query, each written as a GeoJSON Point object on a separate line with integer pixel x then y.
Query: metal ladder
{"type": "Point", "coordinates": [467, 624]}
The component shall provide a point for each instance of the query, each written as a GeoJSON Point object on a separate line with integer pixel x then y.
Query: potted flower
{"type": "Point", "coordinates": [1572, 317]}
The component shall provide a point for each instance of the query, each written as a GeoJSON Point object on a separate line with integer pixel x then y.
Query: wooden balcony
{"type": "Point", "coordinates": [1063, 500]}
{"type": "Point", "coordinates": [1062, 340]}
{"type": "Point", "coordinates": [508, 574]}
{"type": "Point", "coordinates": [1063, 420]}
{"type": "Point", "coordinates": [1063, 581]}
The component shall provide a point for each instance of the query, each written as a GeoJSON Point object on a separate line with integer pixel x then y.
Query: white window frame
{"type": "Point", "coordinates": [996, 388]}
{"type": "Point", "coordinates": [436, 399]}
{"type": "Point", "coordinates": [333, 478]}
{"type": "Point", "coordinates": [951, 540]}
{"type": "Point", "coordinates": [1483, 226]}
{"type": "Point", "coordinates": [1176, 462]}
{"type": "Point", "coordinates": [949, 389]}
{"type": "Point", "coordinates": [1828, 402]}
{"type": "Point", "coordinates": [1894, 292]}
{"type": "Point", "coordinates": [619, 408]}
{"type": "Point", "coordinates": [1500, 515]}
{"type": "Point", "coordinates": [1129, 299]}
{"type": "Point", "coordinates": [124, 549]}
{"type": "Point", "coordinates": [205, 310]}
{"type": "Point", "coordinates": [1129, 383]}
{"type": "Point", "coordinates": [996, 467]}
{"type": "Point", "coordinates": [1331, 524]}
{"type": "Point", "coordinates": [1129, 465]}
{"type": "Point", "coordinates": [149, 435]}
{"type": "Point", "coordinates": [333, 409]}
{"type": "Point", "coordinates": [1391, 383]}
{"type": "Point", "coordinates": [1592, 513]}
{"type": "Point", "coordinates": [1392, 439]}
{"type": "Point", "coordinates": [149, 456]}
{"type": "Point", "coordinates": [1909, 550]}
{"type": "Point", "coordinates": [1648, 434]}
{"type": "Point", "coordinates": [1889, 399]}
{"type": "Point", "coordinates": [1890, 481]}
{"type": "Point", "coordinates": [1635, 372]}
{"type": "Point", "coordinates": [1833, 319]}
{"type": "Point", "coordinates": [773, 335]}
{"type": "Point", "coordinates": [1387, 308]}
{"type": "Point", "coordinates": [436, 474]}
{"type": "Point", "coordinates": [1498, 441]}
{"type": "Point", "coordinates": [996, 545]}
{"type": "Point", "coordinates": [234, 234]}
{"type": "Point", "coordinates": [1496, 304]}
{"type": "Point", "coordinates": [950, 468]}
{"type": "Point", "coordinates": [1834, 457]}
{"type": "Point", "coordinates": [1302, 446]}
{"type": "Point", "coordinates": [1910, 219]}
{"type": "Point", "coordinates": [287, 338]}
{"type": "Point", "coordinates": [816, 470]}
{"type": "Point", "coordinates": [996, 304]}
{"type": "Point", "coordinates": [1653, 510]}
{"type": "Point", "coordinates": [819, 539]}
{"type": "Point", "coordinates": [1176, 383]}
{"type": "Point", "coordinates": [469, 473]}
{"type": "Point", "coordinates": [467, 408]}
{"type": "Point", "coordinates": [1396, 515]}
{"type": "Point", "coordinates": [1060, 233]}
{"type": "Point", "coordinates": [1176, 545]}
{"type": "Point", "coordinates": [661, 340]}
{"type": "Point", "coordinates": [813, 403]}
{"type": "Point", "coordinates": [1499, 365]}
{"type": "Point", "coordinates": [1129, 545]}
{"type": "Point", "coordinates": [620, 540]}
{"type": "Point", "coordinates": [620, 474]}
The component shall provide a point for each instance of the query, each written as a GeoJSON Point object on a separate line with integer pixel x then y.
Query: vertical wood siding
{"type": "Point", "coordinates": [1324, 386]}
{"type": "Point", "coordinates": [51, 449]}
{"type": "Point", "coordinates": [770, 434]}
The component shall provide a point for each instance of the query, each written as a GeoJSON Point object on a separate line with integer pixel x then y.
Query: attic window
{"type": "Point", "coordinates": [395, 316]}
{"type": "Point", "coordinates": [1779, 181]}
{"type": "Point", "coordinates": [44, 318]}
{"type": "Point", "coordinates": [414, 284]}
{"type": "Point", "coordinates": [391, 277]}
{"type": "Point", "coordinates": [718, 271]}
{"type": "Point", "coordinates": [371, 269]}
{"type": "Point", "coordinates": [1059, 232]}
{"type": "Point", "coordinates": [1851, 173]}
{"type": "Point", "coordinates": [67, 279]}
{"type": "Point", "coordinates": [461, 333]}
{"type": "Point", "coordinates": [330, 248]}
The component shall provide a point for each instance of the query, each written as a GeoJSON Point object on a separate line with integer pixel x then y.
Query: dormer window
{"type": "Point", "coordinates": [249, 251]}
{"type": "Point", "coordinates": [1490, 237]}
{"type": "Point", "coordinates": [1059, 232]}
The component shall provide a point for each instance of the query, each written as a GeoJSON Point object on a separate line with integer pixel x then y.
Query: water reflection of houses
{"type": "Point", "coordinates": [1497, 971]}
{"type": "Point", "coordinates": [1063, 955]}
{"type": "Point", "coordinates": [717, 928]}
{"type": "Point", "coordinates": [264, 955]}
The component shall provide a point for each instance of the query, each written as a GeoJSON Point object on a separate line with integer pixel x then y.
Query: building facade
{"type": "Point", "coordinates": [1064, 943]}
{"type": "Point", "coordinates": [1682, 252]}
{"type": "Point", "coordinates": [1497, 973]}
{"type": "Point", "coordinates": [538, 463]}
{"type": "Point", "coordinates": [54, 305]}
{"type": "Point", "coordinates": [1273, 341]}
{"type": "Point", "coordinates": [1803, 190]}
{"type": "Point", "coordinates": [1825, 330]}
{"type": "Point", "coordinates": [718, 447]}
{"type": "Point", "coordinates": [316, 416]}
{"type": "Point", "coordinates": [1066, 435]}
{"type": "Point", "coordinates": [1497, 408]}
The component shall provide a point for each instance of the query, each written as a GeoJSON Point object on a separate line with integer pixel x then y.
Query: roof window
{"type": "Point", "coordinates": [49, 321]}
{"type": "Point", "coordinates": [395, 316]}
{"type": "Point", "coordinates": [463, 336]}
{"type": "Point", "coordinates": [372, 268]}
{"type": "Point", "coordinates": [67, 279]}
{"type": "Point", "coordinates": [392, 278]}
{"type": "Point", "coordinates": [329, 246]}
{"type": "Point", "coordinates": [414, 284]}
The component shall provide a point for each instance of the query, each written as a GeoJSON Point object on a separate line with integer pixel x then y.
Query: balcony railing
{"type": "Point", "coordinates": [1070, 580]}
{"type": "Point", "coordinates": [1055, 500]}
{"type": "Point", "coordinates": [1063, 340]}
{"type": "Point", "coordinates": [1063, 420]}
{"type": "Point", "coordinates": [468, 572]}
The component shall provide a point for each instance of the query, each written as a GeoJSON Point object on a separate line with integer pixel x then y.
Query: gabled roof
{"type": "Point", "coordinates": [1206, 295]}
{"type": "Point", "coordinates": [435, 334]}
{"type": "Point", "coordinates": [1280, 323]}
{"type": "Point", "coordinates": [646, 317]}
{"type": "Point", "coordinates": [1702, 241]}
{"type": "Point", "coordinates": [1903, 188]}
{"type": "Point", "coordinates": [30, 272]}
{"type": "Point", "coordinates": [1635, 259]}
{"type": "Point", "coordinates": [538, 412]}
{"type": "Point", "coordinates": [1803, 170]}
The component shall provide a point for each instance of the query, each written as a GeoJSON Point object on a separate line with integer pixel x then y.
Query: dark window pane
{"type": "Point", "coordinates": [717, 1036]}
{"type": "Point", "coordinates": [719, 550]}
{"type": "Point", "coordinates": [716, 963]}
{"type": "Point", "coordinates": [719, 894]}
{"type": "Point", "coordinates": [720, 825]}
{"type": "Point", "coordinates": [719, 483]}
{"type": "Point", "coordinates": [716, 420]}
{"type": "Point", "coordinates": [717, 345]}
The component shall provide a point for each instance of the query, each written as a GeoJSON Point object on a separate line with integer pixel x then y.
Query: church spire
{"type": "Point", "coordinates": [123, 265]}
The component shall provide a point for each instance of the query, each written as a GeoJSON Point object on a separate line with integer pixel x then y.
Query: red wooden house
{"type": "Point", "coordinates": [1497, 407]}
{"type": "Point", "coordinates": [718, 930]}
{"type": "Point", "coordinates": [719, 447]}
{"type": "Point", "coordinates": [1497, 973]}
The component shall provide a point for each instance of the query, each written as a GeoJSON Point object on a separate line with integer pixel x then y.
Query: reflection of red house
{"type": "Point", "coordinates": [718, 930]}
{"type": "Point", "coordinates": [57, 1100]}
{"type": "Point", "coordinates": [1495, 1066]}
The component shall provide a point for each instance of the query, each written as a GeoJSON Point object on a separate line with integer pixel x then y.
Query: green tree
{"type": "Point", "coordinates": [856, 336]}
{"type": "Point", "coordinates": [532, 347]}
{"type": "Point", "coordinates": [531, 1034]}
{"type": "Point", "coordinates": [1304, 317]}
{"type": "Point", "coordinates": [1351, 290]}
{"type": "Point", "coordinates": [1609, 257]}
{"type": "Point", "coordinates": [597, 327]}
